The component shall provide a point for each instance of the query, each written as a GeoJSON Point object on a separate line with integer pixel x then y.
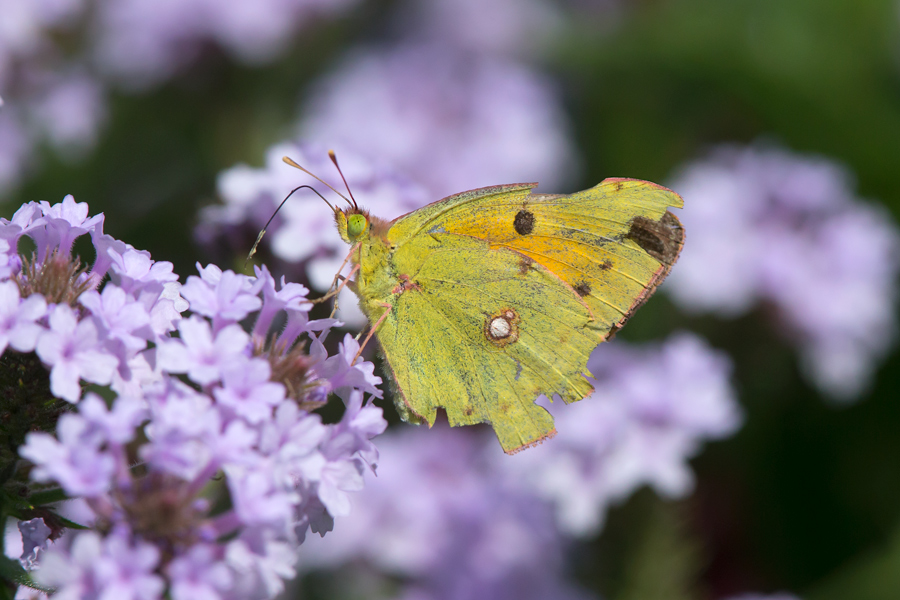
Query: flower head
{"type": "Point", "coordinates": [787, 230]}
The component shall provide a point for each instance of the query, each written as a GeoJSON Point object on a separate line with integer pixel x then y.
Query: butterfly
{"type": "Point", "coordinates": [485, 300]}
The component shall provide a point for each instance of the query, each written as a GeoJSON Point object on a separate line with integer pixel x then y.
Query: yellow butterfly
{"type": "Point", "coordinates": [487, 299]}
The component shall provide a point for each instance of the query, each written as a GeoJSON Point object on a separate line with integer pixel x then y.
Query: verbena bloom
{"type": "Point", "coordinates": [448, 119]}
{"type": "Point", "coordinates": [651, 411]}
{"type": "Point", "coordinates": [504, 27]}
{"type": "Point", "coordinates": [18, 319]}
{"type": "Point", "coordinates": [51, 303]}
{"type": "Point", "coordinates": [438, 518]}
{"type": "Point", "coordinates": [233, 469]}
{"type": "Point", "coordinates": [142, 42]}
{"type": "Point", "coordinates": [35, 536]}
{"type": "Point", "coordinates": [50, 97]}
{"type": "Point", "coordinates": [770, 226]}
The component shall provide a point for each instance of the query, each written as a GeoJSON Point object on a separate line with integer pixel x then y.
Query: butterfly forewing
{"type": "Point", "coordinates": [612, 244]}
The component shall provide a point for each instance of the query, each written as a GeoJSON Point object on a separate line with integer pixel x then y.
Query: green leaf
{"type": "Point", "coordinates": [48, 496]}
{"type": "Point", "coordinates": [11, 570]}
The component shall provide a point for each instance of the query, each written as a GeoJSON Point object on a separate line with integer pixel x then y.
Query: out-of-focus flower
{"type": "Point", "coordinates": [438, 516]}
{"type": "Point", "coordinates": [652, 410]}
{"type": "Point", "coordinates": [69, 111]}
{"type": "Point", "coordinates": [141, 42]}
{"type": "Point", "coordinates": [15, 147]}
{"type": "Point", "coordinates": [770, 226]}
{"type": "Point", "coordinates": [504, 27]}
{"type": "Point", "coordinates": [451, 120]}
{"type": "Point", "coordinates": [35, 537]}
{"type": "Point", "coordinates": [25, 26]}
{"type": "Point", "coordinates": [49, 96]}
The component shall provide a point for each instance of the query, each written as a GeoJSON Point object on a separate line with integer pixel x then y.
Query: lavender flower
{"type": "Point", "coordinates": [450, 120]}
{"type": "Point", "coordinates": [652, 409]}
{"type": "Point", "coordinates": [503, 27]}
{"type": "Point", "coordinates": [18, 319]}
{"type": "Point", "coordinates": [117, 566]}
{"type": "Point", "coordinates": [83, 335]}
{"type": "Point", "coordinates": [50, 96]}
{"type": "Point", "coordinates": [240, 409]}
{"type": "Point", "coordinates": [35, 537]}
{"type": "Point", "coordinates": [142, 42]}
{"type": "Point", "coordinates": [74, 350]}
{"type": "Point", "coordinates": [438, 517]}
{"type": "Point", "coordinates": [770, 226]}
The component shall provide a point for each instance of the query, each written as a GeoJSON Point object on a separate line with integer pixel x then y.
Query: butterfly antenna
{"type": "Point", "coordinates": [269, 222]}
{"type": "Point", "coordinates": [291, 162]}
{"type": "Point", "coordinates": [333, 158]}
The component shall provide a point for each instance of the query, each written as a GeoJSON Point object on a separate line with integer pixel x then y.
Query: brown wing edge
{"type": "Point", "coordinates": [532, 443]}
{"type": "Point", "coordinates": [663, 240]}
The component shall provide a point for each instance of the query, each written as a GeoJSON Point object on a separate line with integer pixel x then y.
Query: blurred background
{"type": "Point", "coordinates": [743, 439]}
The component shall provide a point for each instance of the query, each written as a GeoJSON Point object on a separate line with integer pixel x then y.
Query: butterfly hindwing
{"type": "Point", "coordinates": [483, 332]}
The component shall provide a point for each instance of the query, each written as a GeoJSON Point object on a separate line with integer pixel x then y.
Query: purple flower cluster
{"type": "Point", "coordinates": [48, 97]}
{"type": "Point", "coordinates": [142, 42]}
{"type": "Point", "coordinates": [499, 27]}
{"type": "Point", "coordinates": [653, 408]}
{"type": "Point", "coordinates": [206, 469]}
{"type": "Point", "coordinates": [438, 517]}
{"type": "Point", "coordinates": [50, 303]}
{"type": "Point", "coordinates": [452, 120]}
{"type": "Point", "coordinates": [456, 518]}
{"type": "Point", "coordinates": [768, 226]}
{"type": "Point", "coordinates": [54, 91]}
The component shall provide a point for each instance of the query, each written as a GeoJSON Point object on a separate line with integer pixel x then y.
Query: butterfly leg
{"type": "Point", "coordinates": [338, 277]}
{"type": "Point", "coordinates": [374, 327]}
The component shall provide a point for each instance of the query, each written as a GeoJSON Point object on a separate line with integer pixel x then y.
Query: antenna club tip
{"type": "Point", "coordinates": [332, 154]}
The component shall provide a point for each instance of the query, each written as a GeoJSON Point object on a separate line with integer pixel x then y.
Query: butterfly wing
{"type": "Point", "coordinates": [570, 269]}
{"type": "Point", "coordinates": [612, 244]}
{"type": "Point", "coordinates": [482, 332]}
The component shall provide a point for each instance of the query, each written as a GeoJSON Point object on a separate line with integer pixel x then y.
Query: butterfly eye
{"type": "Point", "coordinates": [356, 225]}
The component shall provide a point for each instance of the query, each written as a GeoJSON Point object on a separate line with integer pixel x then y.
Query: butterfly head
{"type": "Point", "coordinates": [353, 224]}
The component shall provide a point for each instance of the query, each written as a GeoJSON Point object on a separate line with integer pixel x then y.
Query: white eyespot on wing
{"type": "Point", "coordinates": [500, 328]}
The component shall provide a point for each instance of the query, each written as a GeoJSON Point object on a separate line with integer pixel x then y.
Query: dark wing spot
{"type": "Point", "coordinates": [660, 239]}
{"type": "Point", "coordinates": [583, 289]}
{"type": "Point", "coordinates": [524, 222]}
{"type": "Point", "coordinates": [525, 264]}
{"type": "Point", "coordinates": [620, 185]}
{"type": "Point", "coordinates": [606, 265]}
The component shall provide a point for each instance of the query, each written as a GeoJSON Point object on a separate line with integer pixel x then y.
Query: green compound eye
{"type": "Point", "coordinates": [356, 225]}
